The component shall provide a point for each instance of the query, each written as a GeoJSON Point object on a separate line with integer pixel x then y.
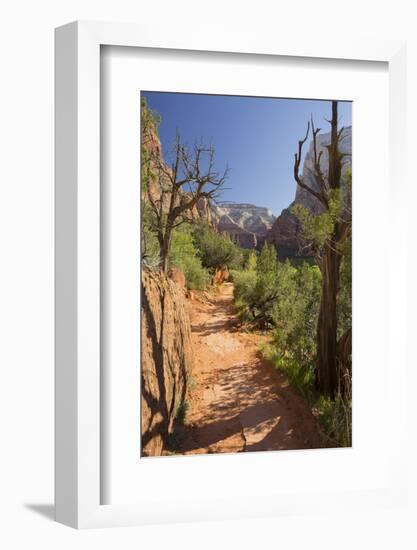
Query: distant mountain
{"type": "Point", "coordinates": [246, 223]}
{"type": "Point", "coordinates": [286, 232]}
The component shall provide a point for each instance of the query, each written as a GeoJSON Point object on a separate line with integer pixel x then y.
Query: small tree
{"type": "Point", "coordinates": [328, 233]}
{"type": "Point", "coordinates": [217, 250]}
{"type": "Point", "coordinates": [172, 192]}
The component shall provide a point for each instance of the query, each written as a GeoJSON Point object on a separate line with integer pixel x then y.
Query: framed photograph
{"type": "Point", "coordinates": [223, 325]}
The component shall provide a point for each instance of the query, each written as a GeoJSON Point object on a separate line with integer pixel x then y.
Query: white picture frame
{"type": "Point", "coordinates": [77, 242]}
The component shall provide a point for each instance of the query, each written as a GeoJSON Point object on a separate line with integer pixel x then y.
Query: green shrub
{"type": "Point", "coordinates": [300, 375]}
{"type": "Point", "coordinates": [250, 260]}
{"type": "Point", "coordinates": [344, 297]}
{"type": "Point", "coordinates": [184, 255]}
{"type": "Point", "coordinates": [265, 291]}
{"type": "Point", "coordinates": [216, 250]}
{"type": "Point", "coordinates": [336, 419]}
{"type": "Point", "coordinates": [181, 413]}
{"type": "Point", "coordinates": [334, 416]}
{"type": "Point", "coordinates": [149, 242]}
{"type": "Point", "coordinates": [296, 312]}
{"type": "Point", "coordinates": [244, 283]}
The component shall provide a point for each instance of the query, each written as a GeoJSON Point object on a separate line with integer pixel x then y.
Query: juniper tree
{"type": "Point", "coordinates": [327, 234]}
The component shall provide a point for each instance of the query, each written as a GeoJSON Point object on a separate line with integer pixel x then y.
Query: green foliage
{"type": "Point", "coordinates": [185, 256]}
{"type": "Point", "coordinates": [149, 242]}
{"type": "Point", "coordinates": [216, 250]}
{"type": "Point", "coordinates": [324, 235]}
{"type": "Point", "coordinates": [270, 293]}
{"type": "Point", "coordinates": [244, 282]}
{"type": "Point", "coordinates": [300, 376]}
{"type": "Point", "coordinates": [149, 117]}
{"type": "Point", "coordinates": [269, 283]}
{"type": "Point", "coordinates": [176, 438]}
{"type": "Point", "coordinates": [288, 297]}
{"type": "Point", "coordinates": [256, 287]}
{"type": "Point", "coordinates": [181, 413]}
{"type": "Point", "coordinates": [318, 228]}
{"type": "Point", "coordinates": [250, 260]}
{"type": "Point", "coordinates": [336, 418]}
{"type": "Point", "coordinates": [295, 314]}
{"type": "Point", "coordinates": [344, 297]}
{"type": "Point", "coordinates": [267, 261]}
{"type": "Point", "coordinates": [150, 121]}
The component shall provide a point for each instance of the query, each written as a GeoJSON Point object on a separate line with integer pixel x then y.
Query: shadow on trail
{"type": "Point", "coordinates": [240, 402]}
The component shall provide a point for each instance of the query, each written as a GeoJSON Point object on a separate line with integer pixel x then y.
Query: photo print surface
{"type": "Point", "coordinates": [246, 248]}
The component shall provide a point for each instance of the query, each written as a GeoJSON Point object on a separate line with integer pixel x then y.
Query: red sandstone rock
{"type": "Point", "coordinates": [177, 276]}
{"type": "Point", "coordinates": [166, 358]}
{"type": "Point", "coordinates": [221, 275]}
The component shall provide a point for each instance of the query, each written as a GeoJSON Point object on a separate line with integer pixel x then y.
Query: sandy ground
{"type": "Point", "coordinates": [238, 401]}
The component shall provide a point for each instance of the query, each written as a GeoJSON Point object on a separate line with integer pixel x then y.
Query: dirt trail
{"type": "Point", "coordinates": [237, 400]}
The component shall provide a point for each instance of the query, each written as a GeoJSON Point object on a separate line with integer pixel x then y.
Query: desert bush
{"type": "Point", "coordinates": [300, 375]}
{"type": "Point", "coordinates": [216, 250]}
{"type": "Point", "coordinates": [335, 418]}
{"type": "Point", "coordinates": [244, 282]}
{"type": "Point", "coordinates": [295, 314]}
{"type": "Point", "coordinates": [249, 259]}
{"type": "Point", "coordinates": [185, 256]}
{"type": "Point", "coordinates": [344, 297]}
{"type": "Point", "coordinates": [263, 286]}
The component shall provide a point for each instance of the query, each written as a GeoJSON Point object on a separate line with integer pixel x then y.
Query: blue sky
{"type": "Point", "coordinates": [255, 137]}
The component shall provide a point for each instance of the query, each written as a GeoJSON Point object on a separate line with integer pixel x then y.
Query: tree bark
{"type": "Point", "coordinates": [326, 360]}
{"type": "Point", "coordinates": [344, 360]}
{"type": "Point", "coordinates": [328, 255]}
{"type": "Point", "coordinates": [326, 378]}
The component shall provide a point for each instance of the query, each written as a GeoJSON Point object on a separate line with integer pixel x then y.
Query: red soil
{"type": "Point", "coordinates": [237, 400]}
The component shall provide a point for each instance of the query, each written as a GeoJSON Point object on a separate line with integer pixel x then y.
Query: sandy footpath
{"type": "Point", "coordinates": [238, 401]}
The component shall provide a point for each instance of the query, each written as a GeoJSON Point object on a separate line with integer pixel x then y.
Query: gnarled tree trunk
{"type": "Point", "coordinates": [326, 366]}
{"type": "Point", "coordinates": [328, 254]}
{"type": "Point", "coordinates": [344, 363]}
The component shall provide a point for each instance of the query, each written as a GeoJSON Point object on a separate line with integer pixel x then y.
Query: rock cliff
{"type": "Point", "coordinates": [286, 232]}
{"type": "Point", "coordinates": [166, 357]}
{"type": "Point", "coordinates": [152, 147]}
{"type": "Point", "coordinates": [247, 223]}
{"type": "Point", "coordinates": [323, 140]}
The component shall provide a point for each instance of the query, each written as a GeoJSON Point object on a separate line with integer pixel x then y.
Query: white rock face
{"type": "Point", "coordinates": [286, 233]}
{"type": "Point", "coordinates": [248, 223]}
{"type": "Point", "coordinates": [345, 146]}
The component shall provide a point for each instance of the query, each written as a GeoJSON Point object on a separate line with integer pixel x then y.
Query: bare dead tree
{"type": "Point", "coordinates": [329, 254]}
{"type": "Point", "coordinates": [178, 188]}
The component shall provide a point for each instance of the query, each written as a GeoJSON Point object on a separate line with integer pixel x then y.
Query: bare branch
{"type": "Point", "coordinates": [190, 177]}
{"type": "Point", "coordinates": [298, 178]}
{"type": "Point", "coordinates": [319, 176]}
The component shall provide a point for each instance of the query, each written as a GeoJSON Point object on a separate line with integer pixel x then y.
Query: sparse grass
{"type": "Point", "coordinates": [334, 416]}
{"type": "Point", "coordinates": [335, 419]}
{"type": "Point", "coordinates": [176, 437]}
{"type": "Point", "coordinates": [300, 377]}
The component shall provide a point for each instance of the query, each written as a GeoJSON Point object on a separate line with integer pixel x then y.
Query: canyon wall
{"type": "Point", "coordinates": [246, 223]}
{"type": "Point", "coordinates": [166, 358]}
{"type": "Point", "coordinates": [286, 231]}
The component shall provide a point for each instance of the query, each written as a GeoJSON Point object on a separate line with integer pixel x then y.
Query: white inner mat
{"type": "Point", "coordinates": [124, 476]}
